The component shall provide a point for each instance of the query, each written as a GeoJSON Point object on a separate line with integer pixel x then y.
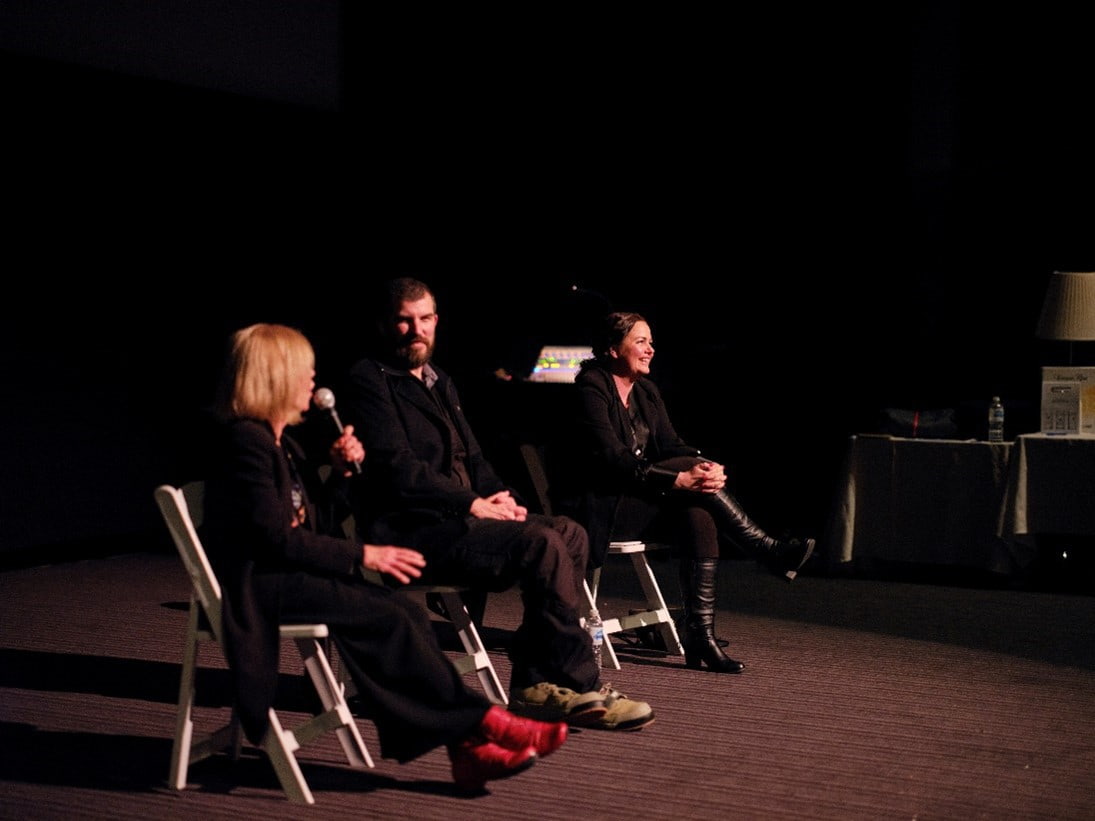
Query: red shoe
{"type": "Point", "coordinates": [475, 762]}
{"type": "Point", "coordinates": [516, 733]}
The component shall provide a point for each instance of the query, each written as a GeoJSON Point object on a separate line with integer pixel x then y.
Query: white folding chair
{"type": "Point", "coordinates": [475, 658]}
{"type": "Point", "coordinates": [181, 510]}
{"type": "Point", "coordinates": [656, 613]}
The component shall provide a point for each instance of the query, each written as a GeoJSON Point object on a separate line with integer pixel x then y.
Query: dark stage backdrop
{"type": "Point", "coordinates": [821, 215]}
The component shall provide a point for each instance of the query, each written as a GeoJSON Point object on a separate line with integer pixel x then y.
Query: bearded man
{"type": "Point", "coordinates": [428, 486]}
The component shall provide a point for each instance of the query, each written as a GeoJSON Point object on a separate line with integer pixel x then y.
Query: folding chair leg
{"type": "Point", "coordinates": [184, 721]}
{"type": "Point", "coordinates": [187, 750]}
{"type": "Point", "coordinates": [332, 696]}
{"type": "Point", "coordinates": [280, 747]}
{"type": "Point", "coordinates": [477, 657]}
{"type": "Point", "coordinates": [655, 602]}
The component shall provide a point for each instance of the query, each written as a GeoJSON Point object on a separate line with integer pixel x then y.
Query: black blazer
{"type": "Point", "coordinates": [609, 468]}
{"type": "Point", "coordinates": [248, 534]}
{"type": "Point", "coordinates": [408, 451]}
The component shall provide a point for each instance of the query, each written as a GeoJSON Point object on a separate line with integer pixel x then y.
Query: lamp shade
{"type": "Point", "coordinates": [1069, 309]}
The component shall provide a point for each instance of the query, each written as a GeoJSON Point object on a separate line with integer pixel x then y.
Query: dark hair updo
{"type": "Point", "coordinates": [612, 330]}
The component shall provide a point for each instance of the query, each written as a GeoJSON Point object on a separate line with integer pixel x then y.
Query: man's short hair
{"type": "Point", "coordinates": [406, 289]}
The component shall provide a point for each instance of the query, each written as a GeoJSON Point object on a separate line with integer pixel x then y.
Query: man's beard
{"type": "Point", "coordinates": [411, 357]}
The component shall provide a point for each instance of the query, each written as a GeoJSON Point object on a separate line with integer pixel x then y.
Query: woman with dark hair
{"type": "Point", "coordinates": [278, 563]}
{"type": "Point", "coordinates": [644, 481]}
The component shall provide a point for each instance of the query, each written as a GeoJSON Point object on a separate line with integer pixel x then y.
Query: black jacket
{"type": "Point", "coordinates": [408, 453]}
{"type": "Point", "coordinates": [608, 465]}
{"type": "Point", "coordinates": [252, 545]}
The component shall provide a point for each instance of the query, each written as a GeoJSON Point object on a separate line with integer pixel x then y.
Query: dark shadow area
{"type": "Point", "coordinates": [938, 604]}
{"type": "Point", "coordinates": [979, 618]}
{"type": "Point", "coordinates": [105, 676]}
{"type": "Point", "coordinates": [154, 540]}
{"type": "Point", "coordinates": [136, 764]}
{"type": "Point", "coordinates": [94, 761]}
{"type": "Point", "coordinates": [135, 679]}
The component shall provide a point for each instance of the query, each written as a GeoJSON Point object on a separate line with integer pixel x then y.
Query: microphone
{"type": "Point", "coordinates": [324, 399]}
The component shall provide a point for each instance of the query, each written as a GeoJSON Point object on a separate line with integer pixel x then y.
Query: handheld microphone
{"type": "Point", "coordinates": [324, 399]}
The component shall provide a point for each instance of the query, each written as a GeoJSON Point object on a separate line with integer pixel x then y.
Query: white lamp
{"type": "Point", "coordinates": [1069, 310]}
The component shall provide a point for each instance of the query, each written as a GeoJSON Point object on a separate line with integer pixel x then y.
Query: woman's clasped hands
{"type": "Point", "coordinates": [702, 477]}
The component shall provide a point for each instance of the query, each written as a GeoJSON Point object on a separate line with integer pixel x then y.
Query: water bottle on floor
{"type": "Point", "coordinates": [596, 634]}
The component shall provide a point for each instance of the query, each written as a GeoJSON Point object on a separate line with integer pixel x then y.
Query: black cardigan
{"type": "Point", "coordinates": [252, 546]}
{"type": "Point", "coordinates": [610, 469]}
{"type": "Point", "coordinates": [409, 445]}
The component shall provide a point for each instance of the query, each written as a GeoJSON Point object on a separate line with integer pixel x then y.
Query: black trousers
{"type": "Point", "coordinates": [410, 689]}
{"type": "Point", "coordinates": [546, 557]}
{"type": "Point", "coordinates": [687, 520]}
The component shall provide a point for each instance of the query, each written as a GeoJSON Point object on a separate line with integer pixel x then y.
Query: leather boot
{"type": "Point", "coordinates": [698, 582]}
{"type": "Point", "coordinates": [783, 557]}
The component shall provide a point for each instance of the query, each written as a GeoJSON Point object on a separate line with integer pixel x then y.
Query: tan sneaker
{"type": "Point", "coordinates": [549, 702]}
{"type": "Point", "coordinates": [623, 713]}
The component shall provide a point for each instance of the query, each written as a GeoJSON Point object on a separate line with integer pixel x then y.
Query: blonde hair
{"type": "Point", "coordinates": [262, 373]}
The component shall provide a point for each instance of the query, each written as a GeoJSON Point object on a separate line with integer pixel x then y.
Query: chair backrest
{"type": "Point", "coordinates": [557, 475]}
{"type": "Point", "coordinates": [534, 463]}
{"type": "Point", "coordinates": [180, 509]}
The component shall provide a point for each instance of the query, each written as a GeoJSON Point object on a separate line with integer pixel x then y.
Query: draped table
{"type": "Point", "coordinates": [963, 503]}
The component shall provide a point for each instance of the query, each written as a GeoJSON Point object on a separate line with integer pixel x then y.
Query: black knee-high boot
{"type": "Point", "coordinates": [785, 558]}
{"type": "Point", "coordinates": [698, 588]}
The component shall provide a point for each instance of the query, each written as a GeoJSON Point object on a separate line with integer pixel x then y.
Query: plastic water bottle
{"type": "Point", "coordinates": [996, 420]}
{"type": "Point", "coordinates": [596, 634]}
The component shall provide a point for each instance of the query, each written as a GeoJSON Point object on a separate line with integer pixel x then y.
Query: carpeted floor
{"type": "Point", "coordinates": [861, 699]}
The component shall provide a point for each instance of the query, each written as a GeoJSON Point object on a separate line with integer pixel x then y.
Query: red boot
{"type": "Point", "coordinates": [516, 733]}
{"type": "Point", "coordinates": [475, 762]}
